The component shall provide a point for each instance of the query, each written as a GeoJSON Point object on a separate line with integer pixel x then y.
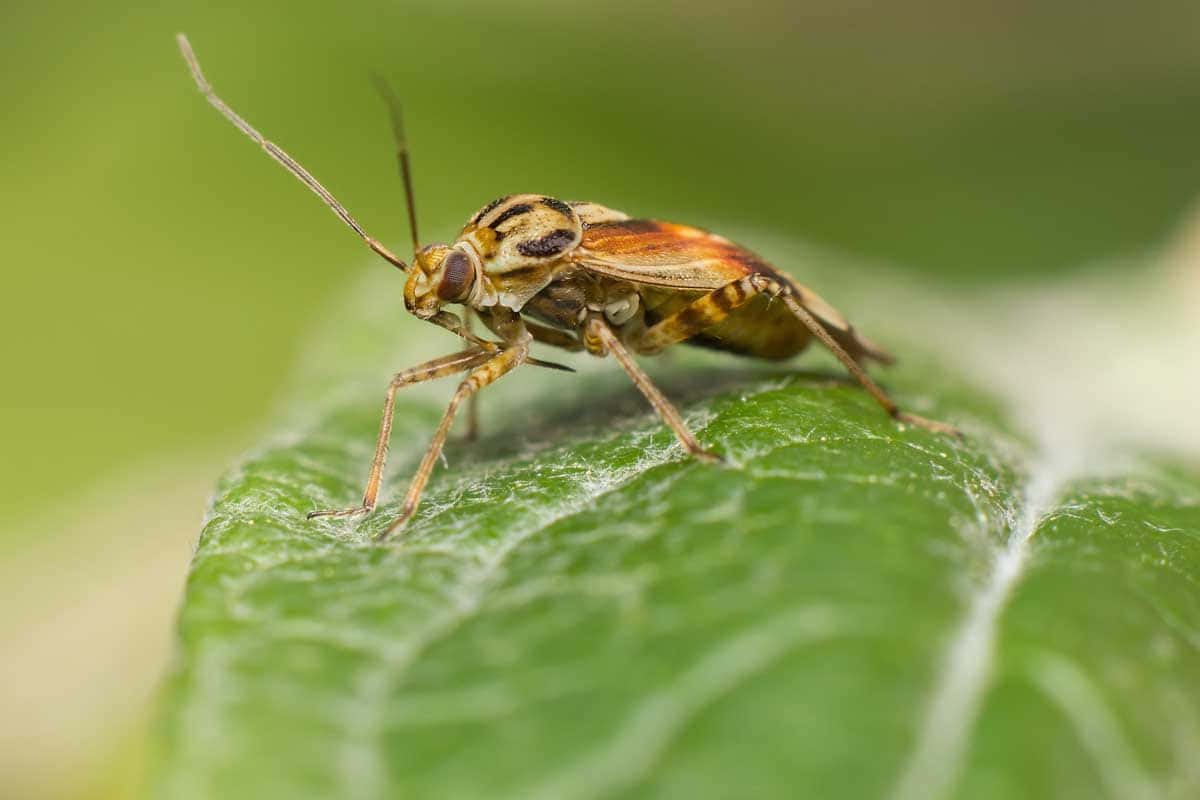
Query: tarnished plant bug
{"type": "Point", "coordinates": [582, 277]}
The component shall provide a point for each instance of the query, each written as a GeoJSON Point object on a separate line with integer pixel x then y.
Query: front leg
{"type": "Point", "coordinates": [473, 403]}
{"type": "Point", "coordinates": [540, 333]}
{"type": "Point", "coordinates": [437, 368]}
{"type": "Point", "coordinates": [497, 366]}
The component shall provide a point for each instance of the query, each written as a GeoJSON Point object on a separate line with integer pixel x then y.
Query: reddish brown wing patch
{"type": "Point", "coordinates": [665, 254]}
{"type": "Point", "coordinates": [680, 257]}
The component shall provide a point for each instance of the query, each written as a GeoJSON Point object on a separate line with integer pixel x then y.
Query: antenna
{"type": "Point", "coordinates": [393, 103]}
{"type": "Point", "coordinates": [275, 152]}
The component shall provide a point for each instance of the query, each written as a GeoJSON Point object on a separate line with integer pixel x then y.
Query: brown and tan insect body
{"type": "Point", "coordinates": [559, 261]}
{"type": "Point", "coordinates": [579, 276]}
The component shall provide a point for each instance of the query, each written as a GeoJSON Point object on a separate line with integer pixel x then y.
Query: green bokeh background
{"type": "Point", "coordinates": [160, 271]}
{"type": "Point", "coordinates": [161, 274]}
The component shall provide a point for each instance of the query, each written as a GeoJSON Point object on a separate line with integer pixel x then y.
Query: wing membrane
{"type": "Point", "coordinates": [669, 255]}
{"type": "Point", "coordinates": [665, 254]}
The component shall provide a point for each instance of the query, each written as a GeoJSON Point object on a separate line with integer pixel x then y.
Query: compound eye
{"type": "Point", "coordinates": [456, 277]}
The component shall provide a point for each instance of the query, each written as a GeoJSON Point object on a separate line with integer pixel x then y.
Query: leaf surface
{"type": "Point", "coordinates": [848, 609]}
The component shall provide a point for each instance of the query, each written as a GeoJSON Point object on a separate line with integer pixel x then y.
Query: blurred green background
{"type": "Point", "coordinates": [161, 272]}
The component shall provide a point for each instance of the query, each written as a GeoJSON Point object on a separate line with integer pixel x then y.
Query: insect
{"type": "Point", "coordinates": [581, 277]}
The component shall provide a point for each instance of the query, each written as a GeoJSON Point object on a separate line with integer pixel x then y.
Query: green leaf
{"type": "Point", "coordinates": [848, 609]}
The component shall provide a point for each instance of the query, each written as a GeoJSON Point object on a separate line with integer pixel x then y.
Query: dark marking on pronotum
{"type": "Point", "coordinates": [509, 213]}
{"type": "Point", "coordinates": [490, 207]}
{"type": "Point", "coordinates": [557, 205]}
{"type": "Point", "coordinates": [551, 244]}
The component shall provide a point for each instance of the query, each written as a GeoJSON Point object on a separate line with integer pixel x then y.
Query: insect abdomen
{"type": "Point", "coordinates": [760, 328]}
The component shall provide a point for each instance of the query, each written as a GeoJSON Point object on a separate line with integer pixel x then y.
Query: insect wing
{"type": "Point", "coordinates": [665, 254]}
{"type": "Point", "coordinates": [669, 255]}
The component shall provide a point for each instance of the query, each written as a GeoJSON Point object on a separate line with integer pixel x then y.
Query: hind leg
{"type": "Point", "coordinates": [860, 374]}
{"type": "Point", "coordinates": [718, 304]}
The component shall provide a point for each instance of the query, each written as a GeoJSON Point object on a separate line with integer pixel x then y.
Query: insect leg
{"type": "Point", "coordinates": [553, 337]}
{"type": "Point", "coordinates": [488, 372]}
{"type": "Point", "coordinates": [701, 313]}
{"type": "Point", "coordinates": [719, 303]}
{"type": "Point", "coordinates": [854, 368]}
{"type": "Point", "coordinates": [437, 368]}
{"type": "Point", "coordinates": [473, 403]}
{"type": "Point", "coordinates": [450, 322]}
{"type": "Point", "coordinates": [598, 329]}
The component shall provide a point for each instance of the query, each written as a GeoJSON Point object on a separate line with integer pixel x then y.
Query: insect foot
{"type": "Point", "coordinates": [707, 456]}
{"type": "Point", "coordinates": [929, 424]}
{"type": "Point", "coordinates": [347, 512]}
{"type": "Point", "coordinates": [397, 524]}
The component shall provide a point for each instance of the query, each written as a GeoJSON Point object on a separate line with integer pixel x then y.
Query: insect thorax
{"type": "Point", "coordinates": [523, 239]}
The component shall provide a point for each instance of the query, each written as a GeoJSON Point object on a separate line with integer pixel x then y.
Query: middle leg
{"type": "Point", "coordinates": [599, 330]}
